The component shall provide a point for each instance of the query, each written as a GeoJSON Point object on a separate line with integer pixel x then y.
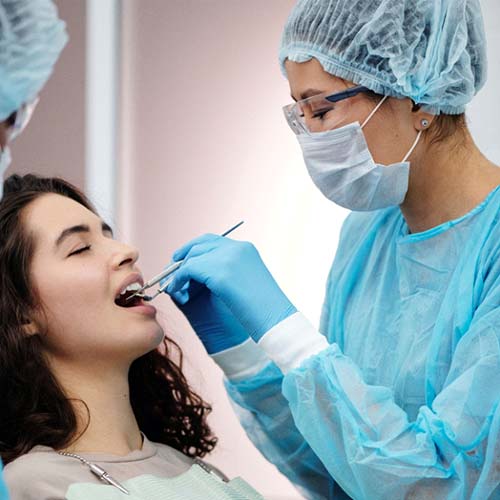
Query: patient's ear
{"type": "Point", "coordinates": [30, 327]}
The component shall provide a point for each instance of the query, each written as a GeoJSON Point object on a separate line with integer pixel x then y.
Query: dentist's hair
{"type": "Point", "coordinates": [34, 409]}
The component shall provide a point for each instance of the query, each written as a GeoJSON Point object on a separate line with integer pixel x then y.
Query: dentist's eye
{"type": "Point", "coordinates": [321, 114]}
{"type": "Point", "coordinates": [80, 250]}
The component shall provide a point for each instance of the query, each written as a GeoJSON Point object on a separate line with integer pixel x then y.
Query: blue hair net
{"type": "Point", "coordinates": [31, 39]}
{"type": "Point", "coordinates": [432, 51]}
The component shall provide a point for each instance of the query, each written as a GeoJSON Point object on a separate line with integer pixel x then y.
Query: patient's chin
{"type": "Point", "coordinates": [150, 338]}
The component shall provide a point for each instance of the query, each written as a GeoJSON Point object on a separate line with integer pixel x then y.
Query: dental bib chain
{"type": "Point", "coordinates": [98, 471]}
{"type": "Point", "coordinates": [105, 477]}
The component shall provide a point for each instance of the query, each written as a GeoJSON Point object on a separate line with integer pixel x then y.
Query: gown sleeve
{"type": "Point", "coordinates": [366, 441]}
{"type": "Point", "coordinates": [361, 436]}
{"type": "Point", "coordinates": [266, 417]}
{"type": "Point", "coordinates": [3, 488]}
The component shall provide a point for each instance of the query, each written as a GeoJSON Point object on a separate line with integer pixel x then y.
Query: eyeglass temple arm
{"type": "Point", "coordinates": [347, 93]}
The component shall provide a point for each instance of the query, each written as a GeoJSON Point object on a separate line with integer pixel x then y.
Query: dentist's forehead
{"type": "Point", "coordinates": [309, 78]}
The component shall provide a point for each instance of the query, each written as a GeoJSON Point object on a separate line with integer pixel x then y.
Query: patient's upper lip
{"type": "Point", "coordinates": [131, 278]}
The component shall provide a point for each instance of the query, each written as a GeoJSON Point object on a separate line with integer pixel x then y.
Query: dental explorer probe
{"type": "Point", "coordinates": [166, 272]}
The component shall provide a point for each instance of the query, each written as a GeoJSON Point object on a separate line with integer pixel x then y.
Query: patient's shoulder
{"type": "Point", "coordinates": [174, 456]}
{"type": "Point", "coordinates": [41, 474]}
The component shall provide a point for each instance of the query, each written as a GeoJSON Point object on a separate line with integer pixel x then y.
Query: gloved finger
{"type": "Point", "coordinates": [191, 291]}
{"type": "Point", "coordinates": [201, 299]}
{"type": "Point", "coordinates": [215, 259]}
{"type": "Point", "coordinates": [196, 250]}
{"type": "Point", "coordinates": [188, 292]}
{"type": "Point", "coordinates": [203, 248]}
{"type": "Point", "coordinates": [182, 296]}
{"type": "Point", "coordinates": [197, 269]}
{"type": "Point", "coordinates": [181, 252]}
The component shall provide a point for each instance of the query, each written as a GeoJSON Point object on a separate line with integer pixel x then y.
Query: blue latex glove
{"type": "Point", "coordinates": [212, 321]}
{"type": "Point", "coordinates": [234, 272]}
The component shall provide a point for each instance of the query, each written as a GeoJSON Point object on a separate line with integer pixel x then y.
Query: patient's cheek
{"type": "Point", "coordinates": [69, 292]}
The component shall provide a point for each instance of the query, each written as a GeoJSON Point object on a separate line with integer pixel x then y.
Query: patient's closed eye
{"type": "Point", "coordinates": [80, 250]}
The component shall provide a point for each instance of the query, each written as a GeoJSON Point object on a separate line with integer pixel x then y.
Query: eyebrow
{"type": "Point", "coordinates": [308, 93]}
{"type": "Point", "coordinates": [81, 228]}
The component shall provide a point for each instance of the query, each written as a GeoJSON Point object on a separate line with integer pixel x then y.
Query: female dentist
{"type": "Point", "coordinates": [31, 39]}
{"type": "Point", "coordinates": [396, 395]}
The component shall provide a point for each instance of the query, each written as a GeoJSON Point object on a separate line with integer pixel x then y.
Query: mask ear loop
{"type": "Point", "coordinates": [413, 147]}
{"type": "Point", "coordinates": [375, 109]}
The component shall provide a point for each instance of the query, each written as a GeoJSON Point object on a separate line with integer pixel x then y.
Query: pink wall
{"type": "Point", "coordinates": [54, 142]}
{"type": "Point", "coordinates": [203, 145]}
{"type": "Point", "coordinates": [202, 148]}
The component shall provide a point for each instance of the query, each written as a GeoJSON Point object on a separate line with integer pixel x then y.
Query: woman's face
{"type": "Point", "coordinates": [390, 132]}
{"type": "Point", "coordinates": [77, 271]}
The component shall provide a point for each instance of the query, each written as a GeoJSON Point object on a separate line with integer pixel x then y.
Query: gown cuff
{"type": "Point", "coordinates": [292, 341]}
{"type": "Point", "coordinates": [242, 361]}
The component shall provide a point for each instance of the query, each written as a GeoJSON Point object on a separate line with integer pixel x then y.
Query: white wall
{"type": "Point", "coordinates": [484, 111]}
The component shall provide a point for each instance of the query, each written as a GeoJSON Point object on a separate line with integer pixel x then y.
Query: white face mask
{"type": "Point", "coordinates": [5, 161]}
{"type": "Point", "coordinates": [23, 116]}
{"type": "Point", "coordinates": [341, 165]}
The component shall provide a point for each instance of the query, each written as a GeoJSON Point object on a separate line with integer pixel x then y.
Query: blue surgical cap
{"type": "Point", "coordinates": [31, 39]}
{"type": "Point", "coordinates": [432, 51]}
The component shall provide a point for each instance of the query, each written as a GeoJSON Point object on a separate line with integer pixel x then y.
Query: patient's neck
{"type": "Point", "coordinates": [112, 427]}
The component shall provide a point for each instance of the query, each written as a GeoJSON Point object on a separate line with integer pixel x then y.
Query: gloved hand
{"type": "Point", "coordinates": [212, 321]}
{"type": "Point", "coordinates": [235, 274]}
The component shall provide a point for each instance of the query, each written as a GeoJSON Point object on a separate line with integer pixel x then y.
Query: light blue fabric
{"type": "Point", "coordinates": [432, 51]}
{"type": "Point", "coordinates": [194, 484]}
{"type": "Point", "coordinates": [31, 39]}
{"type": "Point", "coordinates": [3, 488]}
{"type": "Point", "coordinates": [405, 401]}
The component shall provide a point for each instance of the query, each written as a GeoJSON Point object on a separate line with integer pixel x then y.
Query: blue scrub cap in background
{"type": "Point", "coordinates": [432, 51]}
{"type": "Point", "coordinates": [31, 39]}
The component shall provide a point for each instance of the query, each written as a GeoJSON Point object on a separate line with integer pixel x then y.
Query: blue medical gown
{"type": "Point", "coordinates": [404, 403]}
{"type": "Point", "coordinates": [3, 488]}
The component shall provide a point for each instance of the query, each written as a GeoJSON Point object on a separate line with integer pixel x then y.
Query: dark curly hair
{"type": "Point", "coordinates": [34, 409]}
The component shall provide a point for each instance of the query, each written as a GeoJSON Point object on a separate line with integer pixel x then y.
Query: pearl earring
{"type": "Point", "coordinates": [424, 123]}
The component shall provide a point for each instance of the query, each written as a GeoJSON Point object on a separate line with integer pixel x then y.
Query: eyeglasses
{"type": "Point", "coordinates": [320, 112]}
{"type": "Point", "coordinates": [19, 119]}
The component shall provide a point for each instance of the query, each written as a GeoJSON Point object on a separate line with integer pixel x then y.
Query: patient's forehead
{"type": "Point", "coordinates": [50, 214]}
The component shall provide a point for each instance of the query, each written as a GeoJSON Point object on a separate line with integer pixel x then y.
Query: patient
{"type": "Point", "coordinates": [84, 373]}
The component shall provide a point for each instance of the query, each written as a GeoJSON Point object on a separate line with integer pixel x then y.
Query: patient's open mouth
{"type": "Point", "coordinates": [121, 299]}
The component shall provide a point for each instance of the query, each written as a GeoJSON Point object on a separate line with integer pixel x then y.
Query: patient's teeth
{"type": "Point", "coordinates": [133, 287]}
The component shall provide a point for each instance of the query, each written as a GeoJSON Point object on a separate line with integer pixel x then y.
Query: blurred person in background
{"type": "Point", "coordinates": [31, 38]}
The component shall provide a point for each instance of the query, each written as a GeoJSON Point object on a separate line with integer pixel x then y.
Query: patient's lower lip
{"type": "Point", "coordinates": [143, 309]}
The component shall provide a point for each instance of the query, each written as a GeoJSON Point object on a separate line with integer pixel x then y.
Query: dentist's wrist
{"type": "Point", "coordinates": [271, 319]}
{"type": "Point", "coordinates": [292, 341]}
{"type": "Point", "coordinates": [242, 361]}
